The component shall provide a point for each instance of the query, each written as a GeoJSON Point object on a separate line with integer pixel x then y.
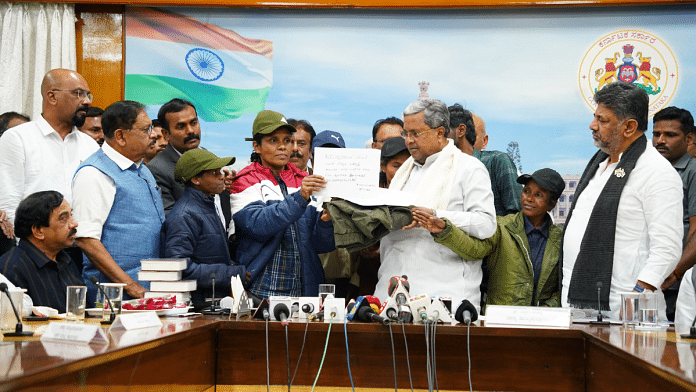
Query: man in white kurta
{"type": "Point", "coordinates": [648, 234]}
{"type": "Point", "coordinates": [449, 184]}
{"type": "Point", "coordinates": [44, 154]}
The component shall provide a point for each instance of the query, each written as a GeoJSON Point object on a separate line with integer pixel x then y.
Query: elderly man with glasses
{"type": "Point", "coordinates": [449, 184]}
{"type": "Point", "coordinates": [117, 202]}
{"type": "Point", "coordinates": [43, 154]}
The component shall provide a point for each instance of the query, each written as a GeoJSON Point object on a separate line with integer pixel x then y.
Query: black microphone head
{"type": "Point", "coordinates": [212, 275]}
{"type": "Point", "coordinates": [364, 312]}
{"type": "Point", "coordinates": [599, 285]}
{"type": "Point", "coordinates": [3, 286]}
{"type": "Point", "coordinates": [280, 309]}
{"type": "Point", "coordinates": [464, 306]}
{"type": "Point", "coordinates": [94, 280]}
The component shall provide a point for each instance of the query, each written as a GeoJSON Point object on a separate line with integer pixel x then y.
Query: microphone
{"type": "Point", "coordinates": [18, 328]}
{"type": "Point", "coordinates": [262, 311]}
{"type": "Point", "coordinates": [600, 318]}
{"type": "Point", "coordinates": [213, 308]}
{"type": "Point", "coordinates": [692, 331]}
{"type": "Point", "coordinates": [112, 316]}
{"type": "Point", "coordinates": [466, 312]}
{"type": "Point", "coordinates": [281, 312]}
{"type": "Point", "coordinates": [394, 284]}
{"type": "Point", "coordinates": [308, 308]}
{"type": "Point", "coordinates": [367, 314]}
{"type": "Point", "coordinates": [266, 315]}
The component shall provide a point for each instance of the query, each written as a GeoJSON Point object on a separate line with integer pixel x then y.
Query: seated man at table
{"type": "Point", "coordinates": [45, 227]}
{"type": "Point", "coordinates": [195, 229]}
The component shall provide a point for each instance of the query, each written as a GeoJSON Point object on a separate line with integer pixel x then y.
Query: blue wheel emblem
{"type": "Point", "coordinates": [204, 64]}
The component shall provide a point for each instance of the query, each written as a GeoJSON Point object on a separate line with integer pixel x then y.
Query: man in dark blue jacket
{"type": "Point", "coordinates": [195, 230]}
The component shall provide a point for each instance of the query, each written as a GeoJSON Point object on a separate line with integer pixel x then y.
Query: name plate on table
{"type": "Point", "coordinates": [74, 332]}
{"type": "Point", "coordinates": [136, 321]}
{"type": "Point", "coordinates": [528, 316]}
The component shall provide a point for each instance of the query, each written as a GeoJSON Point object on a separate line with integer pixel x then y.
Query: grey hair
{"type": "Point", "coordinates": [626, 101]}
{"type": "Point", "coordinates": [436, 113]}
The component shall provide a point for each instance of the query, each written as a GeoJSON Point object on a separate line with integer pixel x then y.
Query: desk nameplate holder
{"type": "Point", "coordinates": [136, 321]}
{"type": "Point", "coordinates": [74, 332]}
{"type": "Point", "coordinates": [528, 316]}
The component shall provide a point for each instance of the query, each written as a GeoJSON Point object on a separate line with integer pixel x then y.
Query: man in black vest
{"type": "Point", "coordinates": [624, 229]}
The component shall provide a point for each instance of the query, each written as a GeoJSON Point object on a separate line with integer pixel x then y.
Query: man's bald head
{"type": "Point", "coordinates": [66, 97]}
{"type": "Point", "coordinates": [481, 136]}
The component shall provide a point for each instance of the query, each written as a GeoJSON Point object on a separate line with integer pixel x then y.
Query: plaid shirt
{"type": "Point", "coordinates": [283, 274]}
{"type": "Point", "coordinates": [503, 173]}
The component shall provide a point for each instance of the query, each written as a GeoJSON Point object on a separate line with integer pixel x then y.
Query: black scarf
{"type": "Point", "coordinates": [596, 257]}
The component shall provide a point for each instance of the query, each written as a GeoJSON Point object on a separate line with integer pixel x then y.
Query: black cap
{"type": "Point", "coordinates": [548, 179]}
{"type": "Point", "coordinates": [392, 147]}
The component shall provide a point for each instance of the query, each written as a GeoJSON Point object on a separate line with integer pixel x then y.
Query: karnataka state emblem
{"type": "Point", "coordinates": [630, 56]}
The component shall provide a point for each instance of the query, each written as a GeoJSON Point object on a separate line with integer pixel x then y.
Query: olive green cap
{"type": "Point", "coordinates": [198, 160]}
{"type": "Point", "coordinates": [267, 121]}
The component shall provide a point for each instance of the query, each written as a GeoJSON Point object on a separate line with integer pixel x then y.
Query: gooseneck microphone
{"type": "Point", "coordinates": [466, 312]}
{"type": "Point", "coordinates": [112, 316]}
{"type": "Point", "coordinates": [281, 313]}
{"type": "Point", "coordinates": [18, 328]}
{"type": "Point", "coordinates": [367, 314]}
{"type": "Point", "coordinates": [213, 308]}
{"type": "Point", "coordinates": [600, 318]}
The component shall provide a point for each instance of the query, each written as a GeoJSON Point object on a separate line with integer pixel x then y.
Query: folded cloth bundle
{"type": "Point", "coordinates": [357, 227]}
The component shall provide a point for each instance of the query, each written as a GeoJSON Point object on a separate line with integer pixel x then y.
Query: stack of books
{"type": "Point", "coordinates": [164, 276]}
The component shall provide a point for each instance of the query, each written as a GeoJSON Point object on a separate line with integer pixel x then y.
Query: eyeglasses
{"type": "Point", "coordinates": [81, 94]}
{"type": "Point", "coordinates": [148, 130]}
{"type": "Point", "coordinates": [413, 134]}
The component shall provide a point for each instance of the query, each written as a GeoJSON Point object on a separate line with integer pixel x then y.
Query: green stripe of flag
{"type": "Point", "coordinates": [213, 103]}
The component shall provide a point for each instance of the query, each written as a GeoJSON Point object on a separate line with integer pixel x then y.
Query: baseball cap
{"type": "Point", "coordinates": [267, 121]}
{"type": "Point", "coordinates": [392, 147]}
{"type": "Point", "coordinates": [328, 138]}
{"type": "Point", "coordinates": [197, 160]}
{"type": "Point", "coordinates": [548, 179]}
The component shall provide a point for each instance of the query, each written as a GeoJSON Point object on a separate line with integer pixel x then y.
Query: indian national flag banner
{"type": "Point", "coordinates": [169, 55]}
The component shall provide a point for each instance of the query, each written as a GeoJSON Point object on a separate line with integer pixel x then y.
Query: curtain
{"type": "Point", "coordinates": [34, 38]}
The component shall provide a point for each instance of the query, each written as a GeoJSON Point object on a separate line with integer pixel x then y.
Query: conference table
{"type": "Point", "coordinates": [213, 353]}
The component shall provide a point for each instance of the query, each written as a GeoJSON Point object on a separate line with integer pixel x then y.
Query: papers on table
{"type": "Point", "coordinates": [353, 174]}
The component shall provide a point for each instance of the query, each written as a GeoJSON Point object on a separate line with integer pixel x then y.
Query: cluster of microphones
{"type": "Point", "coordinates": [400, 307]}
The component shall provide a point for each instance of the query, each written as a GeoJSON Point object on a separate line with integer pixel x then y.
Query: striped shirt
{"type": "Point", "coordinates": [46, 280]}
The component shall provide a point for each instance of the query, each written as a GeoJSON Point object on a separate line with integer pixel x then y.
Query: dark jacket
{"type": "Point", "coordinates": [162, 168]}
{"type": "Point", "coordinates": [262, 217]}
{"type": "Point", "coordinates": [193, 230]}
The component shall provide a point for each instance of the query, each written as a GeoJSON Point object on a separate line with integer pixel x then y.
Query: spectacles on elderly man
{"type": "Point", "coordinates": [413, 134]}
{"type": "Point", "coordinates": [147, 130]}
{"type": "Point", "coordinates": [81, 94]}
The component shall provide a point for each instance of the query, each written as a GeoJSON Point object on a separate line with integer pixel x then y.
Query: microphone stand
{"type": "Point", "coordinates": [112, 315]}
{"type": "Point", "coordinates": [213, 309]}
{"type": "Point", "coordinates": [18, 328]}
{"type": "Point", "coordinates": [600, 318]}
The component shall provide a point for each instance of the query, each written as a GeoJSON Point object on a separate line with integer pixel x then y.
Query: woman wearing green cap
{"type": "Point", "coordinates": [279, 229]}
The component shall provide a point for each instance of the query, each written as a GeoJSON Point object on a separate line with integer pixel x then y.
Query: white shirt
{"type": "Point", "coordinates": [647, 243]}
{"type": "Point", "coordinates": [94, 193]}
{"type": "Point", "coordinates": [33, 157]}
{"type": "Point", "coordinates": [432, 268]}
{"type": "Point", "coordinates": [686, 302]}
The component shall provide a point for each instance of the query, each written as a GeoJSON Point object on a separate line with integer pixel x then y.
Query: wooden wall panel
{"type": "Point", "coordinates": [100, 50]}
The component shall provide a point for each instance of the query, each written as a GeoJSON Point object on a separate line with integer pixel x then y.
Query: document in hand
{"type": "Point", "coordinates": [353, 174]}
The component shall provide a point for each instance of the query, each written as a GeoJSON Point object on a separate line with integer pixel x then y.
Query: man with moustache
{"type": "Point", "coordinates": [624, 229]}
{"type": "Point", "coordinates": [301, 144]}
{"type": "Point", "coordinates": [179, 121]}
{"type": "Point", "coordinates": [672, 135]}
{"type": "Point", "coordinates": [45, 227]}
{"type": "Point", "coordinates": [385, 129]}
{"type": "Point", "coordinates": [117, 203]}
{"type": "Point", "coordinates": [43, 154]}
{"type": "Point", "coordinates": [92, 125]}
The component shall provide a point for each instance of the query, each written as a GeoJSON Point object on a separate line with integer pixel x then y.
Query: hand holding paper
{"type": "Point", "coordinates": [311, 184]}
